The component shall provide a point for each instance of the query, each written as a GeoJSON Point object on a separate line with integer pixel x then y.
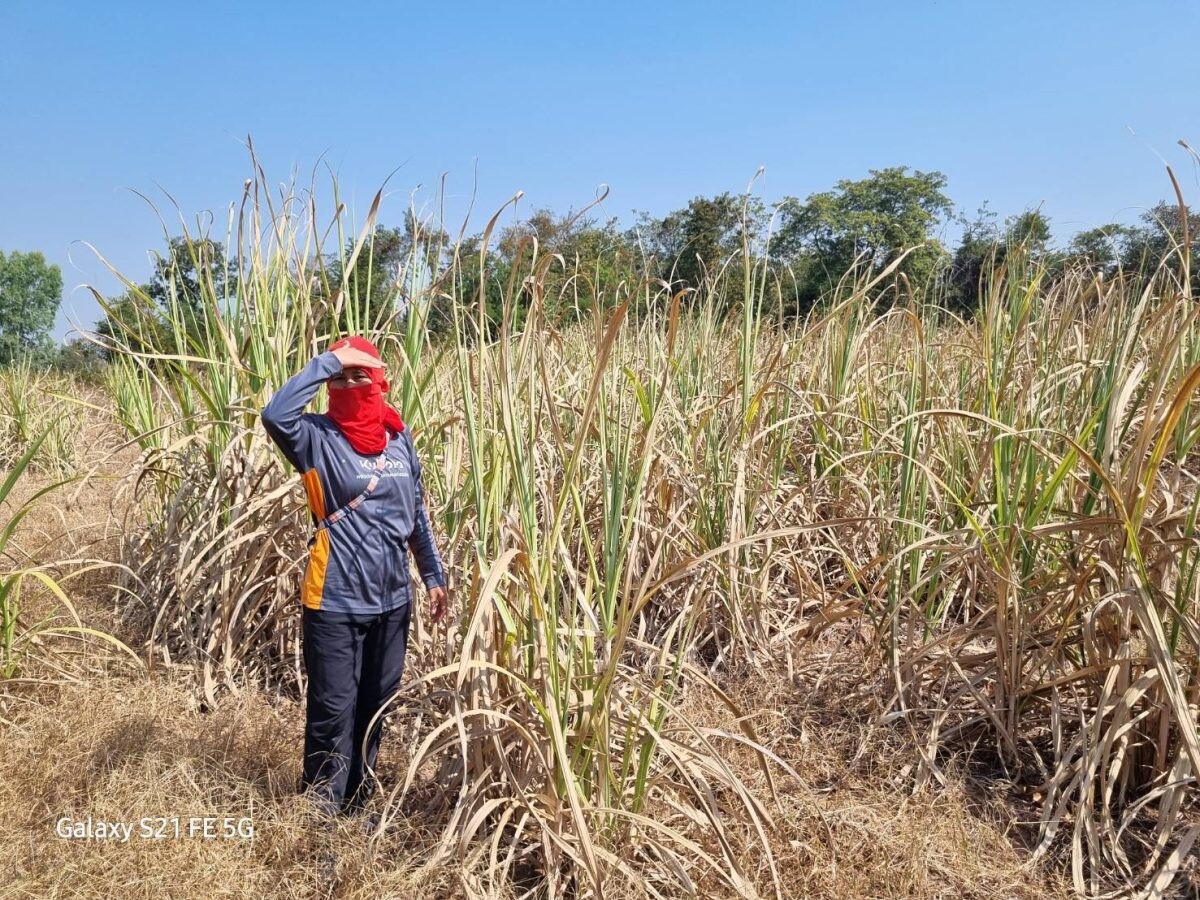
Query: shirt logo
{"type": "Point", "coordinates": [392, 468]}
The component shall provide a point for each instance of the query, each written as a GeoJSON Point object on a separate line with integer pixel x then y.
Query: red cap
{"type": "Point", "coordinates": [358, 343]}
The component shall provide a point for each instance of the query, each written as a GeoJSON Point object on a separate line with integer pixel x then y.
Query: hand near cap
{"type": "Point", "coordinates": [352, 357]}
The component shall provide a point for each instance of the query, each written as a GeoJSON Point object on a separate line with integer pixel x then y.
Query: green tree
{"type": "Point", "coordinates": [132, 322]}
{"type": "Point", "coordinates": [192, 269]}
{"type": "Point", "coordinates": [372, 283]}
{"type": "Point", "coordinates": [592, 259]}
{"type": "Point", "coordinates": [689, 245]}
{"type": "Point", "coordinates": [82, 358]}
{"type": "Point", "coordinates": [393, 264]}
{"type": "Point", "coordinates": [192, 273]}
{"type": "Point", "coordinates": [872, 221]}
{"type": "Point", "coordinates": [1030, 229]}
{"type": "Point", "coordinates": [1101, 247]}
{"type": "Point", "coordinates": [1160, 238]}
{"type": "Point", "coordinates": [984, 248]}
{"type": "Point", "coordinates": [974, 258]}
{"type": "Point", "coordinates": [30, 294]}
{"type": "Point", "coordinates": [490, 277]}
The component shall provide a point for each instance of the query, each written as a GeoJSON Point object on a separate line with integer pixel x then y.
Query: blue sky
{"type": "Point", "coordinates": [1073, 106]}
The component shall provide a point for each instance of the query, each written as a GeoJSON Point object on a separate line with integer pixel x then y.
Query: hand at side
{"type": "Point", "coordinates": [439, 602]}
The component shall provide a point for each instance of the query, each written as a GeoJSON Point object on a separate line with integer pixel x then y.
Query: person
{"type": "Point", "coordinates": [362, 478]}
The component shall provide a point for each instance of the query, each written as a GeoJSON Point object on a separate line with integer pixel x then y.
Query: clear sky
{"type": "Point", "coordinates": [1073, 105]}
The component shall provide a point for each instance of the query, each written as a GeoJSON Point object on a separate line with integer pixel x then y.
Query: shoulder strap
{"type": "Point", "coordinates": [339, 514]}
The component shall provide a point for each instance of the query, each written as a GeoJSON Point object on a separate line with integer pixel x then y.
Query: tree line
{"type": "Point", "coordinates": [895, 216]}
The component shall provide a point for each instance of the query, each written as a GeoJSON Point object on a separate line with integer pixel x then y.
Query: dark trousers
{"type": "Point", "coordinates": [354, 664]}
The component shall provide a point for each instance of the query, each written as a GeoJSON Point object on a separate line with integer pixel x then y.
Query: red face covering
{"type": "Point", "coordinates": [360, 413]}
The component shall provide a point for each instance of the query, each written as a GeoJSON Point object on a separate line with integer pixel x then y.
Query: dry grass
{"type": "Point", "coordinates": [852, 825]}
{"type": "Point", "coordinates": [115, 746]}
{"type": "Point", "coordinates": [122, 748]}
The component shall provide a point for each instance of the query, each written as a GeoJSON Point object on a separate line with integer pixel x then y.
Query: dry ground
{"type": "Point", "coordinates": [118, 745]}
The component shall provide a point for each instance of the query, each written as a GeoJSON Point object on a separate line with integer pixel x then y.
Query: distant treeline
{"type": "Point", "coordinates": [808, 246]}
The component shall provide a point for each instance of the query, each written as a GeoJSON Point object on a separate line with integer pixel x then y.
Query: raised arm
{"type": "Point", "coordinates": [283, 414]}
{"type": "Point", "coordinates": [429, 563]}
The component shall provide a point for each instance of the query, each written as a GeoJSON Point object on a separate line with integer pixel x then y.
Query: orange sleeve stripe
{"type": "Point", "coordinates": [318, 556]}
{"type": "Point", "coordinates": [314, 575]}
{"type": "Point", "coordinates": [316, 497]}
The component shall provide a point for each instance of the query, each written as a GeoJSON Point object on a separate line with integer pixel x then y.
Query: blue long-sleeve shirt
{"type": "Point", "coordinates": [359, 564]}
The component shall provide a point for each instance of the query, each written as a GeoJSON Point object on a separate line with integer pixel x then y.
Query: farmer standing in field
{"type": "Point", "coordinates": [363, 480]}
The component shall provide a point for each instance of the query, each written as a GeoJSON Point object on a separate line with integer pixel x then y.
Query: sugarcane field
{"type": "Point", "coordinates": [436, 469]}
